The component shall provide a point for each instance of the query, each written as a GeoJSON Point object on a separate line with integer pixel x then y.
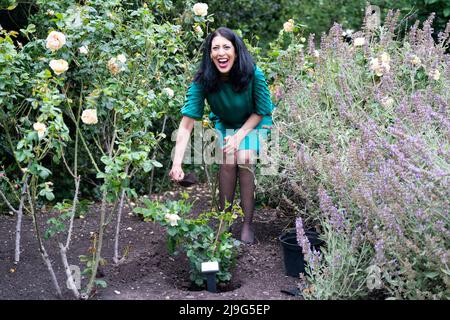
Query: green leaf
{"type": "Point", "coordinates": [171, 245]}
{"type": "Point", "coordinates": [48, 234]}
{"type": "Point", "coordinates": [431, 274]}
{"type": "Point", "coordinates": [42, 171]}
{"type": "Point", "coordinates": [50, 196]}
{"type": "Point", "coordinates": [147, 166]}
{"type": "Point", "coordinates": [100, 175]}
{"type": "Point", "coordinates": [447, 12]}
{"type": "Point", "coordinates": [101, 283]}
{"type": "Point", "coordinates": [172, 231]}
{"type": "Point", "coordinates": [156, 164]}
{"type": "Point", "coordinates": [20, 145]}
{"type": "Point", "coordinates": [32, 136]}
{"type": "Point", "coordinates": [447, 272]}
{"type": "Point", "coordinates": [20, 155]}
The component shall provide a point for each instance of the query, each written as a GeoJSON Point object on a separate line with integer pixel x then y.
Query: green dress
{"type": "Point", "coordinates": [230, 110]}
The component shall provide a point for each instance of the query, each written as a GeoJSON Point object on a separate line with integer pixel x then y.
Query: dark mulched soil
{"type": "Point", "coordinates": [149, 272]}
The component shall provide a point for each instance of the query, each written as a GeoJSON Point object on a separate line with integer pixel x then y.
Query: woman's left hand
{"type": "Point", "coordinates": [231, 144]}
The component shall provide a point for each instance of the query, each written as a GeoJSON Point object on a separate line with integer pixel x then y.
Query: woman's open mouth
{"type": "Point", "coordinates": [223, 63]}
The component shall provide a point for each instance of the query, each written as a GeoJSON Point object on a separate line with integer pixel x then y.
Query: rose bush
{"type": "Point", "coordinates": [121, 70]}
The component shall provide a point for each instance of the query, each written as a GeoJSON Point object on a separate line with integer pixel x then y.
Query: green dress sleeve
{"type": "Point", "coordinates": [261, 94]}
{"type": "Point", "coordinates": [194, 103]}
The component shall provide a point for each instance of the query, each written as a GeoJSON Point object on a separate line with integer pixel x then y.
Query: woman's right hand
{"type": "Point", "coordinates": [176, 173]}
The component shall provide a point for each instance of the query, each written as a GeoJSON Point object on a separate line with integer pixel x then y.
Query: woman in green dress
{"type": "Point", "coordinates": [239, 98]}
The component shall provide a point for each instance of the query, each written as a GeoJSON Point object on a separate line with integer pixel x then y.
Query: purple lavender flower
{"type": "Point", "coordinates": [302, 239]}
{"type": "Point", "coordinates": [336, 218]}
{"type": "Point", "coordinates": [379, 251]}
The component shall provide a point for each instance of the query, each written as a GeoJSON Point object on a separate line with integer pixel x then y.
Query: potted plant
{"type": "Point", "coordinates": [292, 252]}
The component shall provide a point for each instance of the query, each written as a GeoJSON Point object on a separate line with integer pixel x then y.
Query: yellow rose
{"type": "Point", "coordinates": [89, 116]}
{"type": "Point", "coordinates": [55, 40]}
{"type": "Point", "coordinates": [40, 128]}
{"type": "Point", "coordinates": [200, 9]}
{"type": "Point", "coordinates": [288, 26]}
{"type": "Point", "coordinates": [113, 66]}
{"type": "Point", "coordinates": [59, 66]}
{"type": "Point", "coordinates": [358, 42]}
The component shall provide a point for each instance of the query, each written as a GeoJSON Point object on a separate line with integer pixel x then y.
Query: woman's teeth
{"type": "Point", "coordinates": [223, 62]}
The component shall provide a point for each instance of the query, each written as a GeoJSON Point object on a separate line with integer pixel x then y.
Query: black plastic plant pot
{"type": "Point", "coordinates": [292, 252]}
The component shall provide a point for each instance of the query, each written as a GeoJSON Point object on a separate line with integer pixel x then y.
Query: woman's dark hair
{"type": "Point", "coordinates": [240, 74]}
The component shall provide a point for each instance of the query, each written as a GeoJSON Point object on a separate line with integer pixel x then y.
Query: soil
{"type": "Point", "coordinates": [149, 271]}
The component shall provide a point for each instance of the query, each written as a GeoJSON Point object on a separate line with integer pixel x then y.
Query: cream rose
{"type": "Point", "coordinates": [385, 58]}
{"type": "Point", "coordinates": [169, 92]}
{"type": "Point", "coordinates": [40, 128]}
{"type": "Point", "coordinates": [358, 42]}
{"type": "Point", "coordinates": [378, 66]}
{"type": "Point", "coordinates": [347, 33]}
{"type": "Point", "coordinates": [435, 74]}
{"type": "Point", "coordinates": [288, 26]}
{"type": "Point", "coordinates": [172, 219]}
{"type": "Point", "coordinates": [89, 116]}
{"type": "Point", "coordinates": [200, 9]}
{"type": "Point", "coordinates": [55, 40]}
{"type": "Point", "coordinates": [387, 102]}
{"type": "Point", "coordinates": [59, 66]}
{"type": "Point", "coordinates": [122, 58]}
{"type": "Point", "coordinates": [83, 50]}
{"type": "Point", "coordinates": [415, 60]}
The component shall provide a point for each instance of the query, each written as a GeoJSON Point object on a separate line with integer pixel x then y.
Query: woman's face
{"type": "Point", "coordinates": [223, 54]}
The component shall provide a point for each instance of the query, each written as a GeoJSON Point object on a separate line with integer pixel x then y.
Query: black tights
{"type": "Point", "coordinates": [243, 166]}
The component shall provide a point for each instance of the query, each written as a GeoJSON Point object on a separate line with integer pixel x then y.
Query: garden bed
{"type": "Point", "coordinates": [149, 272]}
